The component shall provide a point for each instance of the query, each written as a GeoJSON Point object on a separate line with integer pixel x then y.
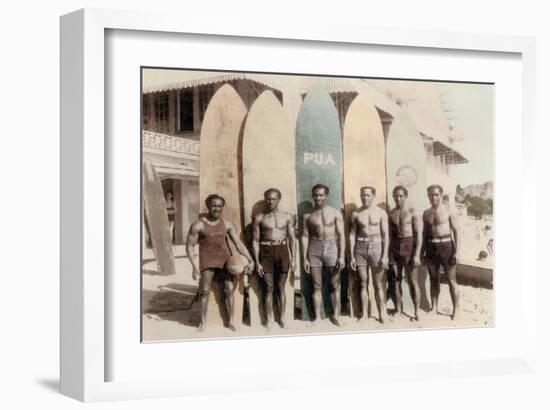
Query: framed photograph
{"type": "Point", "coordinates": [230, 192]}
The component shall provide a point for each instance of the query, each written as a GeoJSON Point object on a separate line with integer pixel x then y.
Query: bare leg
{"type": "Point", "coordinates": [335, 295]}
{"type": "Point", "coordinates": [364, 283]}
{"type": "Point", "coordinates": [412, 279]}
{"type": "Point", "coordinates": [398, 290]}
{"type": "Point", "coordinates": [433, 270]}
{"type": "Point", "coordinates": [268, 278]}
{"type": "Point", "coordinates": [282, 298]}
{"type": "Point", "coordinates": [453, 288]}
{"type": "Point", "coordinates": [204, 291]}
{"type": "Point", "coordinates": [229, 302]}
{"type": "Point", "coordinates": [317, 279]}
{"type": "Point", "coordinates": [379, 280]}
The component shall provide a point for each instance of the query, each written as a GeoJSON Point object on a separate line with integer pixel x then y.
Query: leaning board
{"type": "Point", "coordinates": [157, 220]}
{"type": "Point", "coordinates": [219, 173]}
{"type": "Point", "coordinates": [364, 165]}
{"type": "Point", "coordinates": [268, 162]}
{"type": "Point", "coordinates": [406, 165]}
{"type": "Point", "coordinates": [318, 160]}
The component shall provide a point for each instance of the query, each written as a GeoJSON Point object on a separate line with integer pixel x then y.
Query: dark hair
{"type": "Point", "coordinates": [402, 189]}
{"type": "Point", "coordinates": [270, 190]}
{"type": "Point", "coordinates": [319, 186]}
{"type": "Point", "coordinates": [435, 186]}
{"type": "Point", "coordinates": [211, 197]}
{"type": "Point", "coordinates": [372, 189]}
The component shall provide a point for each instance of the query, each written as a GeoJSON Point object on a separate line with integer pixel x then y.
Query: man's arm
{"type": "Point", "coordinates": [352, 234]}
{"type": "Point", "coordinates": [192, 239]}
{"type": "Point", "coordinates": [232, 232]}
{"type": "Point", "coordinates": [341, 240]}
{"type": "Point", "coordinates": [418, 229]}
{"type": "Point", "coordinates": [425, 234]}
{"type": "Point", "coordinates": [256, 243]}
{"type": "Point", "coordinates": [384, 231]}
{"type": "Point", "coordinates": [455, 225]}
{"type": "Point", "coordinates": [305, 241]}
{"type": "Point", "coordinates": [291, 241]}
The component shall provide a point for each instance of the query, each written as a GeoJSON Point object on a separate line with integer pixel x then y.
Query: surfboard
{"type": "Point", "coordinates": [219, 173]}
{"type": "Point", "coordinates": [268, 162]}
{"type": "Point", "coordinates": [157, 220]}
{"type": "Point", "coordinates": [318, 160]}
{"type": "Point", "coordinates": [364, 158]}
{"type": "Point", "coordinates": [406, 165]}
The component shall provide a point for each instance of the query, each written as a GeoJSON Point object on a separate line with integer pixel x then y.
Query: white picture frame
{"type": "Point", "coordinates": [86, 222]}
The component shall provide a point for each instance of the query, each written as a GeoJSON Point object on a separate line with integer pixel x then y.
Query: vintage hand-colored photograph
{"type": "Point", "coordinates": [281, 204]}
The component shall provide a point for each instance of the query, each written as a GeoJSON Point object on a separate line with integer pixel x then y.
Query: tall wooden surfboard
{"type": "Point", "coordinates": [219, 174]}
{"type": "Point", "coordinates": [268, 162]}
{"type": "Point", "coordinates": [318, 161]}
{"type": "Point", "coordinates": [157, 220]}
{"type": "Point", "coordinates": [406, 164]}
{"type": "Point", "coordinates": [364, 165]}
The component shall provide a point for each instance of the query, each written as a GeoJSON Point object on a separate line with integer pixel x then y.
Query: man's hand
{"type": "Point", "coordinates": [416, 261]}
{"type": "Point", "coordinates": [385, 262]}
{"type": "Point", "coordinates": [340, 264]}
{"type": "Point", "coordinates": [353, 263]}
{"type": "Point", "coordinates": [293, 265]}
{"type": "Point", "coordinates": [246, 281]}
{"type": "Point", "coordinates": [250, 267]}
{"type": "Point", "coordinates": [306, 265]}
{"type": "Point", "coordinates": [196, 274]}
{"type": "Point", "coordinates": [260, 270]}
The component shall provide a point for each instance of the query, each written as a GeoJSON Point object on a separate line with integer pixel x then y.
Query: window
{"type": "Point", "coordinates": [186, 110]}
{"type": "Point", "coordinates": [161, 107]}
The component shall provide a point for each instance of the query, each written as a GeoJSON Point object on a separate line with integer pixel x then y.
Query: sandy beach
{"type": "Point", "coordinates": [167, 315]}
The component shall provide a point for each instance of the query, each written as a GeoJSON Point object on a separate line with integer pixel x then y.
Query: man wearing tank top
{"type": "Point", "coordinates": [323, 246]}
{"type": "Point", "coordinates": [210, 232]}
{"type": "Point", "coordinates": [440, 246]}
{"type": "Point", "coordinates": [368, 239]}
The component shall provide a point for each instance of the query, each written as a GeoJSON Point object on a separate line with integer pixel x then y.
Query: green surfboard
{"type": "Point", "coordinates": [406, 164]}
{"type": "Point", "coordinates": [318, 161]}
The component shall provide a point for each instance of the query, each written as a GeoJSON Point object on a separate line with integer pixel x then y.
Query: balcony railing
{"type": "Point", "coordinates": [169, 143]}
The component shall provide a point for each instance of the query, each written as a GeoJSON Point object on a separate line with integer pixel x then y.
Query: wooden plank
{"type": "Point", "coordinates": [364, 157]}
{"type": "Point", "coordinates": [318, 160]}
{"type": "Point", "coordinates": [157, 220]}
{"type": "Point", "coordinates": [268, 162]}
{"type": "Point", "coordinates": [220, 173]}
{"type": "Point", "coordinates": [406, 165]}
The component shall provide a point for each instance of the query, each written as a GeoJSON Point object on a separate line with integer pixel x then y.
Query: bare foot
{"type": "Point", "coordinates": [316, 322]}
{"type": "Point", "coordinates": [335, 321]}
{"type": "Point", "coordinates": [269, 325]}
{"type": "Point", "coordinates": [201, 328]}
{"type": "Point", "coordinates": [282, 324]}
{"type": "Point", "coordinates": [382, 319]}
{"type": "Point", "coordinates": [231, 327]}
{"type": "Point", "coordinates": [363, 319]}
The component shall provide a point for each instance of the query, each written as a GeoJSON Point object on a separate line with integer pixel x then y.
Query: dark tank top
{"type": "Point", "coordinates": [213, 250]}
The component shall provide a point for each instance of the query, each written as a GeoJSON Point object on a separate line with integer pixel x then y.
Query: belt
{"type": "Point", "coordinates": [440, 240]}
{"type": "Point", "coordinates": [274, 243]}
{"type": "Point", "coordinates": [368, 238]}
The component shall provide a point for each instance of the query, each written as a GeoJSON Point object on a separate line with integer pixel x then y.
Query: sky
{"type": "Point", "coordinates": [471, 111]}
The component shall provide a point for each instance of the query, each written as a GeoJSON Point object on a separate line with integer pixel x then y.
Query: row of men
{"type": "Point", "coordinates": [403, 238]}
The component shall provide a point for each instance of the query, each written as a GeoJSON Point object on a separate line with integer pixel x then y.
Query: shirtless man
{"type": "Point", "coordinates": [210, 232]}
{"type": "Point", "coordinates": [323, 245]}
{"type": "Point", "coordinates": [406, 243]}
{"type": "Point", "coordinates": [369, 242]}
{"type": "Point", "coordinates": [440, 246]}
{"type": "Point", "coordinates": [273, 236]}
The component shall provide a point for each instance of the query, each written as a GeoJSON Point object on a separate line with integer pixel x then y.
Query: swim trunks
{"type": "Point", "coordinates": [368, 250]}
{"type": "Point", "coordinates": [322, 252]}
